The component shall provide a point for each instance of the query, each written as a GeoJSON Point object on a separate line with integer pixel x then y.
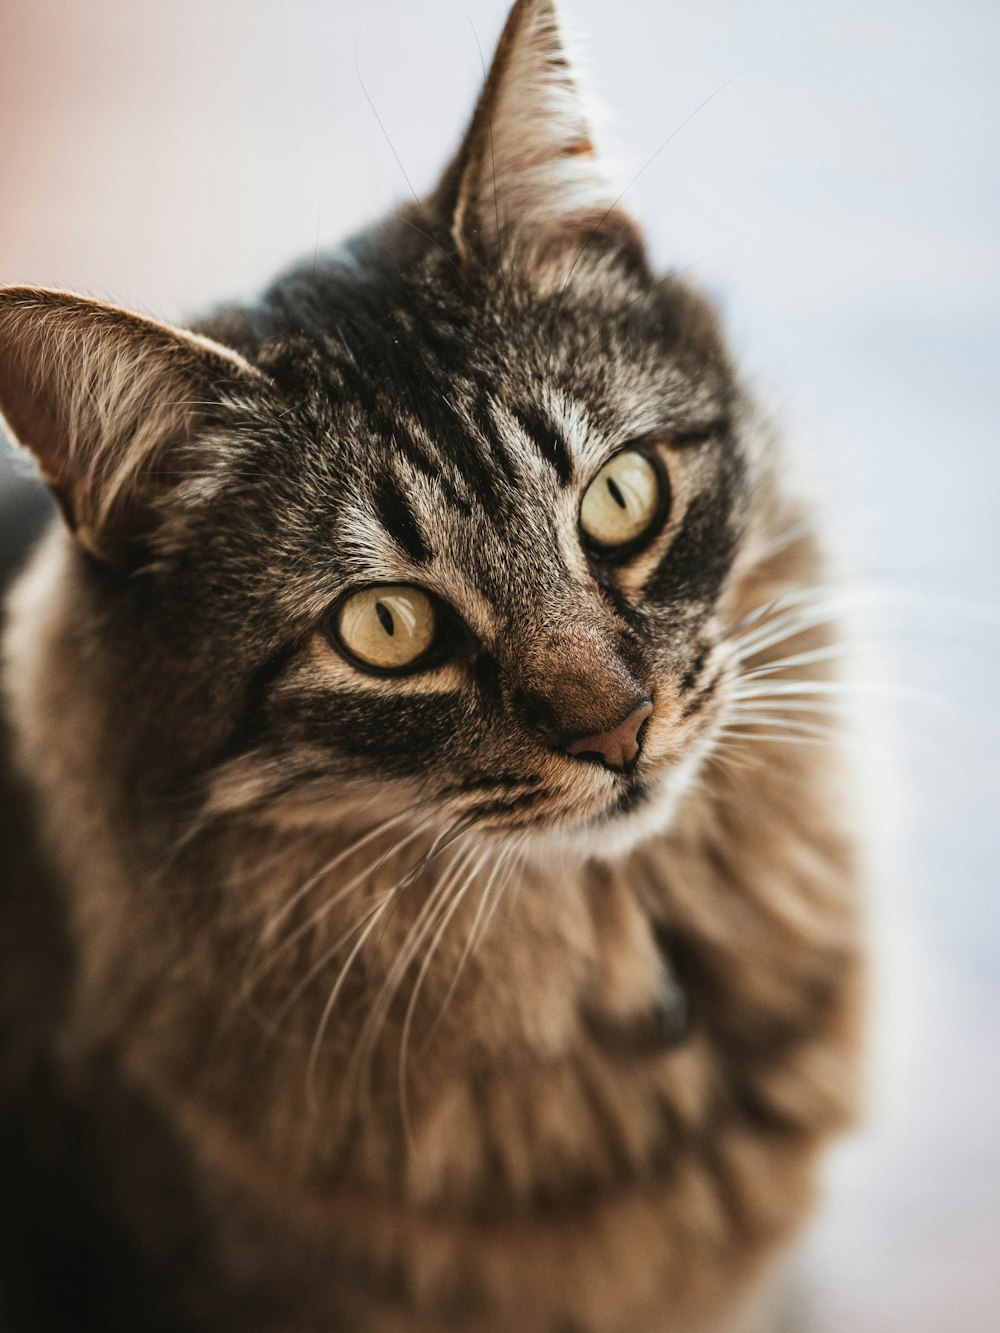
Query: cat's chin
{"type": "Point", "coordinates": [645, 808]}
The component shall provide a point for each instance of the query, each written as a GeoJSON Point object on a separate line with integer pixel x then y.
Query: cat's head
{"type": "Point", "coordinates": [458, 515]}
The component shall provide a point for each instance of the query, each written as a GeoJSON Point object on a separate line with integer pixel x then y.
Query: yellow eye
{"type": "Point", "coordinates": [623, 500]}
{"type": "Point", "coordinates": [387, 627]}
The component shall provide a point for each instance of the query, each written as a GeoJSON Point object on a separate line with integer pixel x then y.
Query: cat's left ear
{"type": "Point", "coordinates": [112, 406]}
{"type": "Point", "coordinates": [528, 170]}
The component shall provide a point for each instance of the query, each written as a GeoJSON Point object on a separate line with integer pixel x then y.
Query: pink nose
{"type": "Point", "coordinates": [617, 747]}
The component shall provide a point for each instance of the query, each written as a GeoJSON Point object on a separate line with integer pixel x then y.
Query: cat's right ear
{"type": "Point", "coordinates": [528, 171]}
{"type": "Point", "coordinates": [111, 405]}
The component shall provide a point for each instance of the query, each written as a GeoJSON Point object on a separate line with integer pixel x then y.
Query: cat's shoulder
{"type": "Point", "coordinates": [34, 946]}
{"type": "Point", "coordinates": [35, 954]}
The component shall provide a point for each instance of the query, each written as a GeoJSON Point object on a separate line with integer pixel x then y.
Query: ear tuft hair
{"type": "Point", "coordinates": [528, 165]}
{"type": "Point", "coordinates": [106, 400]}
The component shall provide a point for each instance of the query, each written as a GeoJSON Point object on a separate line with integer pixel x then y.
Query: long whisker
{"type": "Point", "coordinates": [776, 543]}
{"type": "Point", "coordinates": [331, 903]}
{"type": "Point", "coordinates": [256, 801]}
{"type": "Point", "coordinates": [518, 864]}
{"type": "Point", "coordinates": [327, 957]}
{"type": "Point", "coordinates": [251, 975]}
{"type": "Point", "coordinates": [504, 274]}
{"type": "Point", "coordinates": [784, 625]}
{"type": "Point", "coordinates": [766, 704]}
{"type": "Point", "coordinates": [843, 688]}
{"type": "Point", "coordinates": [851, 690]}
{"type": "Point", "coordinates": [274, 921]}
{"type": "Point", "coordinates": [504, 861]}
{"type": "Point", "coordinates": [331, 1001]}
{"type": "Point", "coordinates": [445, 919]}
{"type": "Point", "coordinates": [799, 726]}
{"type": "Point", "coordinates": [849, 598]}
{"type": "Point", "coordinates": [830, 652]}
{"type": "Point", "coordinates": [365, 1045]}
{"type": "Point", "coordinates": [437, 847]}
{"type": "Point", "coordinates": [369, 922]}
{"type": "Point", "coordinates": [776, 737]}
{"type": "Point", "coordinates": [429, 233]}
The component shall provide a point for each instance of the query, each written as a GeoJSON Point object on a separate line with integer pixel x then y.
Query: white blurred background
{"type": "Point", "coordinates": [840, 195]}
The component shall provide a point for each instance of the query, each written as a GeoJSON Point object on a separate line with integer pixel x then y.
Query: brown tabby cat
{"type": "Point", "coordinates": [415, 916]}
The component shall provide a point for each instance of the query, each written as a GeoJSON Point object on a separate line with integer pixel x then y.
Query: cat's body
{"type": "Point", "coordinates": [382, 1009]}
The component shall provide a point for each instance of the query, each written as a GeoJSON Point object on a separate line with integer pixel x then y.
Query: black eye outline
{"type": "Point", "coordinates": [449, 638]}
{"type": "Point", "coordinates": [605, 554]}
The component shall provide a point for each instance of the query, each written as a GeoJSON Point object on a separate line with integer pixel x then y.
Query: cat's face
{"type": "Point", "coordinates": [492, 526]}
{"type": "Point", "coordinates": [448, 516]}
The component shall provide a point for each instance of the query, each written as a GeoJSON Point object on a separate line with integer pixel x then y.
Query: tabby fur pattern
{"type": "Point", "coordinates": [357, 1002]}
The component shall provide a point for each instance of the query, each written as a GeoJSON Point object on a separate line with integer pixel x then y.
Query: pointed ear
{"type": "Point", "coordinates": [109, 403]}
{"type": "Point", "coordinates": [528, 165]}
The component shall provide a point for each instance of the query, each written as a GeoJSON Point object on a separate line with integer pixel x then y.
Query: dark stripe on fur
{"type": "Point", "coordinates": [481, 478]}
{"type": "Point", "coordinates": [690, 677]}
{"type": "Point", "coordinates": [398, 520]}
{"type": "Point", "coordinates": [502, 459]}
{"type": "Point", "coordinates": [697, 561]}
{"type": "Point", "coordinates": [697, 701]}
{"type": "Point", "coordinates": [486, 781]}
{"type": "Point", "coordinates": [355, 726]}
{"type": "Point", "coordinates": [547, 442]}
{"type": "Point", "coordinates": [525, 801]}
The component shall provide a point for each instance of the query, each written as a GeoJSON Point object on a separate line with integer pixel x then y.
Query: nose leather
{"type": "Point", "coordinates": [617, 747]}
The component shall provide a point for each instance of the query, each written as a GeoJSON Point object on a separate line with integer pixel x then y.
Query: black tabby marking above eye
{"type": "Point", "coordinates": [399, 522]}
{"type": "Point", "coordinates": [552, 448]}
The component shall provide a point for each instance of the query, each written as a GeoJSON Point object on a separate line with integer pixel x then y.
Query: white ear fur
{"type": "Point", "coordinates": [528, 161]}
{"type": "Point", "coordinates": [99, 395]}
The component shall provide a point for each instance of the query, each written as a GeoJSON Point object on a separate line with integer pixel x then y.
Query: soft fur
{"type": "Point", "coordinates": [373, 1008]}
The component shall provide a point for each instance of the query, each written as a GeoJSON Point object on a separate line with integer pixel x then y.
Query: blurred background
{"type": "Point", "coordinates": [830, 172]}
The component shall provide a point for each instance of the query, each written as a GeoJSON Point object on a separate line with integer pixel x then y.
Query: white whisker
{"type": "Point", "coordinates": [777, 737]}
{"type": "Point", "coordinates": [833, 688]}
{"type": "Point", "coordinates": [790, 724]}
{"type": "Point", "coordinates": [828, 653]}
{"type": "Point", "coordinates": [281, 914]}
{"type": "Point", "coordinates": [504, 860]}
{"type": "Point", "coordinates": [325, 908]}
{"type": "Point", "coordinates": [749, 707]}
{"type": "Point", "coordinates": [445, 920]}
{"type": "Point", "coordinates": [331, 1001]}
{"type": "Point", "coordinates": [436, 900]}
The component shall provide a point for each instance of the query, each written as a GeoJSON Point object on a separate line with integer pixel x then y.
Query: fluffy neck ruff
{"type": "Point", "coordinates": [631, 1060]}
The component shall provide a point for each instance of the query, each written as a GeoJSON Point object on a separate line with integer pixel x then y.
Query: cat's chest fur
{"type": "Point", "coordinates": [461, 1050]}
{"type": "Point", "coordinates": [535, 1145]}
